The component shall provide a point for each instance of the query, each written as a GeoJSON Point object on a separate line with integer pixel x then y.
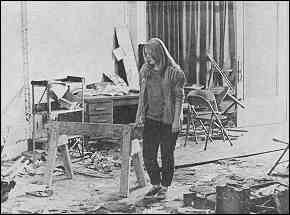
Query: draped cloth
{"type": "Point", "coordinates": [190, 30]}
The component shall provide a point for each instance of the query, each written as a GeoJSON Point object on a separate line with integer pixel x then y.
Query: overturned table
{"type": "Point", "coordinates": [56, 129]}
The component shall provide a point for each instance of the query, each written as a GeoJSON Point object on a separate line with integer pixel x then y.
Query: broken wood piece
{"type": "Point", "coordinates": [14, 167]}
{"type": "Point", "coordinates": [213, 161]}
{"type": "Point", "coordinates": [129, 60]}
{"type": "Point", "coordinates": [91, 173]}
{"type": "Point", "coordinates": [280, 141]}
{"type": "Point", "coordinates": [118, 81]}
{"type": "Point", "coordinates": [258, 186]}
{"type": "Point", "coordinates": [237, 130]}
{"type": "Point", "coordinates": [40, 193]}
{"type": "Point", "coordinates": [119, 53]}
{"type": "Point", "coordinates": [191, 210]}
{"type": "Point", "coordinates": [18, 169]}
{"type": "Point", "coordinates": [278, 161]}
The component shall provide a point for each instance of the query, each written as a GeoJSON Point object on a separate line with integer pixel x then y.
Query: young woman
{"type": "Point", "coordinates": [159, 111]}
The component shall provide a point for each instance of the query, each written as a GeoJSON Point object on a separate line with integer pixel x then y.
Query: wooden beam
{"type": "Point", "coordinates": [213, 161]}
{"type": "Point", "coordinates": [102, 130]}
{"type": "Point", "coordinates": [280, 141]}
{"type": "Point", "coordinates": [52, 149]}
{"type": "Point", "coordinates": [138, 167]}
{"type": "Point", "coordinates": [125, 165]}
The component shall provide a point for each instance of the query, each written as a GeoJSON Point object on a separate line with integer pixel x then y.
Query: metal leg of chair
{"type": "Point", "coordinates": [194, 132]}
{"type": "Point", "coordinates": [223, 129]}
{"type": "Point", "coordinates": [223, 133]}
{"type": "Point", "coordinates": [207, 134]}
{"type": "Point", "coordinates": [211, 126]}
{"type": "Point", "coordinates": [227, 136]}
{"type": "Point", "coordinates": [206, 141]}
{"type": "Point", "coordinates": [187, 126]}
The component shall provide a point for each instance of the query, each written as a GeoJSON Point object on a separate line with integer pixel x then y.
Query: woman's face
{"type": "Point", "coordinates": [148, 56]}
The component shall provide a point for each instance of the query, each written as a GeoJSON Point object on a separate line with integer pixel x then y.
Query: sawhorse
{"type": "Point", "coordinates": [281, 156]}
{"type": "Point", "coordinates": [57, 130]}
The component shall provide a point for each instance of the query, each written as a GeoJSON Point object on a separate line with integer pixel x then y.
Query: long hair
{"type": "Point", "coordinates": [160, 53]}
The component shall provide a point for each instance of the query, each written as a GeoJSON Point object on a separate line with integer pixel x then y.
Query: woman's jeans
{"type": "Point", "coordinates": [157, 133]}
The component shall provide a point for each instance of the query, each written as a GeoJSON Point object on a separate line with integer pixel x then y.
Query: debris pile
{"type": "Point", "coordinates": [229, 192]}
{"type": "Point", "coordinates": [103, 161]}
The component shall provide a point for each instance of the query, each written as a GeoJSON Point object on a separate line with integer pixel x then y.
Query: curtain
{"type": "Point", "coordinates": [165, 21]}
{"type": "Point", "coordinates": [190, 30]}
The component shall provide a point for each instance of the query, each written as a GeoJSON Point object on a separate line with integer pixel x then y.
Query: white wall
{"type": "Point", "coordinates": [72, 38]}
{"type": "Point", "coordinates": [13, 123]}
{"type": "Point", "coordinates": [265, 62]}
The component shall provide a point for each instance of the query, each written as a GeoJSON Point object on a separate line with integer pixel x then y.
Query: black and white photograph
{"type": "Point", "coordinates": [144, 107]}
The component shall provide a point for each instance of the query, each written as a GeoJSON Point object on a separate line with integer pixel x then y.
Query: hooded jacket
{"type": "Point", "coordinates": [173, 78]}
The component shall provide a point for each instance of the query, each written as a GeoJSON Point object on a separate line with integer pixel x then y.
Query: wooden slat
{"type": "Point", "coordinates": [138, 167]}
{"type": "Point", "coordinates": [52, 149]}
{"type": "Point", "coordinates": [129, 60]}
{"type": "Point", "coordinates": [66, 157]}
{"type": "Point", "coordinates": [125, 166]}
{"type": "Point", "coordinates": [104, 130]}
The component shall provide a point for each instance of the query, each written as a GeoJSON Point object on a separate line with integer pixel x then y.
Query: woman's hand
{"type": "Point", "coordinates": [176, 126]}
{"type": "Point", "coordinates": [139, 123]}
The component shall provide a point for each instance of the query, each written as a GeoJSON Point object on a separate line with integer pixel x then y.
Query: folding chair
{"type": "Point", "coordinates": [225, 90]}
{"type": "Point", "coordinates": [203, 108]}
{"type": "Point", "coordinates": [281, 156]}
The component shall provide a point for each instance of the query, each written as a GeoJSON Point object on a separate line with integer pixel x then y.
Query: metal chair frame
{"type": "Point", "coordinates": [194, 102]}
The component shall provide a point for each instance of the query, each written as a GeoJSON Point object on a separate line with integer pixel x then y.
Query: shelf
{"type": "Point", "coordinates": [61, 111]}
{"type": "Point", "coordinates": [71, 79]}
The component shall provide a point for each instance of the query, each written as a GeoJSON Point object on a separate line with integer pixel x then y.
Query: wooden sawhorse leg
{"type": "Point", "coordinates": [54, 142]}
{"type": "Point", "coordinates": [55, 128]}
{"type": "Point", "coordinates": [125, 166]}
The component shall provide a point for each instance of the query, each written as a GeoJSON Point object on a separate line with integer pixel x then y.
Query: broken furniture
{"type": "Point", "coordinates": [111, 109]}
{"type": "Point", "coordinates": [49, 109]}
{"type": "Point", "coordinates": [122, 132]}
{"type": "Point", "coordinates": [7, 177]}
{"type": "Point", "coordinates": [203, 108]}
{"type": "Point", "coordinates": [278, 161]}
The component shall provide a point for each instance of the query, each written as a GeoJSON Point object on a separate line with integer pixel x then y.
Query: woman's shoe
{"type": "Point", "coordinates": [152, 192]}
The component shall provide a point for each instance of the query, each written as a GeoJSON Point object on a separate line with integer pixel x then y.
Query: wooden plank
{"type": "Point", "coordinates": [129, 60]}
{"type": "Point", "coordinates": [52, 149]}
{"type": "Point", "coordinates": [65, 155]}
{"type": "Point", "coordinates": [100, 130]}
{"type": "Point", "coordinates": [138, 167]}
{"type": "Point", "coordinates": [118, 81]}
{"type": "Point", "coordinates": [104, 130]}
{"type": "Point", "coordinates": [125, 165]}
{"type": "Point", "coordinates": [280, 141]}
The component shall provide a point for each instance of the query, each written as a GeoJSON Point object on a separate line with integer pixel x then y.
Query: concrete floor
{"type": "Point", "coordinates": [85, 194]}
